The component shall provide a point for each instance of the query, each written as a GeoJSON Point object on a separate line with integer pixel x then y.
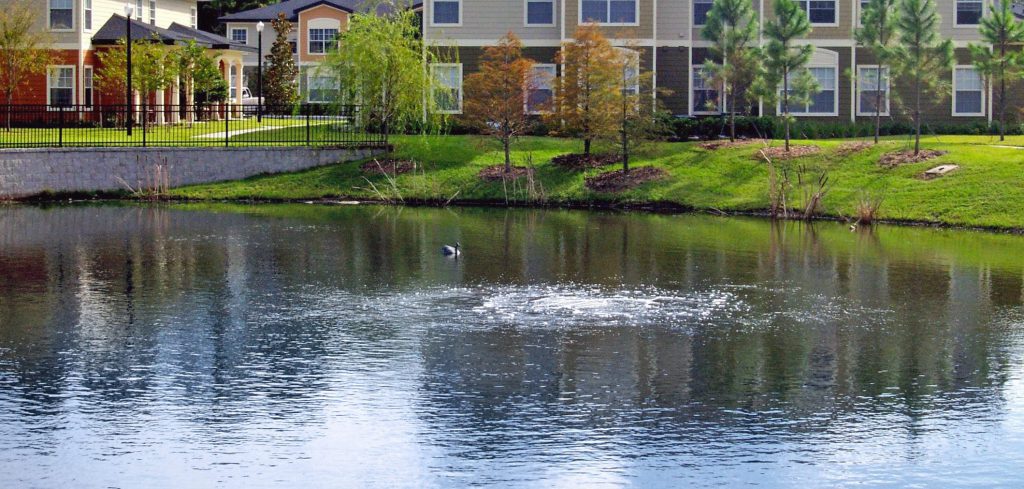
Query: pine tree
{"type": "Point", "coordinates": [587, 98]}
{"type": "Point", "coordinates": [495, 94]}
{"type": "Point", "coordinates": [735, 60]}
{"type": "Point", "coordinates": [922, 56]}
{"type": "Point", "coordinates": [878, 33]}
{"type": "Point", "coordinates": [998, 59]}
{"type": "Point", "coordinates": [279, 87]}
{"type": "Point", "coordinates": [784, 60]}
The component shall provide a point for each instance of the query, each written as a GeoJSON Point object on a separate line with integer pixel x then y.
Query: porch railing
{"type": "Point", "coordinates": [45, 126]}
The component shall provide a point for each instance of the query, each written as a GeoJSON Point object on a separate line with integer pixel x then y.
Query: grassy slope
{"type": "Point", "coordinates": [988, 190]}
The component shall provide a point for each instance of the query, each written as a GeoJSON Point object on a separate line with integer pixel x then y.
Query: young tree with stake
{"type": "Point", "coordinates": [735, 59]}
{"type": "Point", "coordinates": [999, 58]}
{"type": "Point", "coordinates": [922, 56]}
{"type": "Point", "coordinates": [784, 60]}
{"type": "Point", "coordinates": [878, 34]}
{"type": "Point", "coordinates": [23, 50]}
{"type": "Point", "coordinates": [496, 94]}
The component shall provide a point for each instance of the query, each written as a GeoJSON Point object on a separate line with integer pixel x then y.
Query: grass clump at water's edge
{"type": "Point", "coordinates": [987, 190]}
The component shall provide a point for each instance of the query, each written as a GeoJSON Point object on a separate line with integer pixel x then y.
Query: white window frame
{"type": "Point", "coordinates": [526, 12]}
{"type": "Point", "coordinates": [49, 18]}
{"type": "Point", "coordinates": [152, 12]}
{"type": "Point", "coordinates": [860, 11]}
{"type": "Point", "coordinates": [835, 96]}
{"type": "Point", "coordinates": [193, 19]}
{"type": "Point", "coordinates": [956, 16]}
{"type": "Point", "coordinates": [693, 11]}
{"type": "Point", "coordinates": [231, 35]}
{"type": "Point", "coordinates": [139, 12]}
{"type": "Point", "coordinates": [807, 12]}
{"type": "Point", "coordinates": [87, 15]}
{"type": "Point", "coordinates": [333, 41]}
{"type": "Point", "coordinates": [314, 73]}
{"type": "Point", "coordinates": [554, 79]}
{"type": "Point", "coordinates": [88, 90]}
{"type": "Point", "coordinates": [608, 8]}
{"type": "Point", "coordinates": [984, 98]}
{"type": "Point", "coordinates": [438, 24]}
{"type": "Point", "coordinates": [634, 56]}
{"type": "Point", "coordinates": [233, 74]}
{"type": "Point", "coordinates": [888, 87]}
{"type": "Point", "coordinates": [74, 85]}
{"type": "Point", "coordinates": [433, 67]}
{"type": "Point", "coordinates": [694, 110]}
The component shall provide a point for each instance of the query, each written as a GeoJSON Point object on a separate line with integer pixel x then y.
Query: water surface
{"type": "Point", "coordinates": [307, 346]}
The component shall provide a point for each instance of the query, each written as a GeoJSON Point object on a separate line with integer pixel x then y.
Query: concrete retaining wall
{"type": "Point", "coordinates": [28, 172]}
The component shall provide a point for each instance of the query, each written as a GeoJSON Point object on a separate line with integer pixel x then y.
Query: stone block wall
{"type": "Point", "coordinates": [28, 172]}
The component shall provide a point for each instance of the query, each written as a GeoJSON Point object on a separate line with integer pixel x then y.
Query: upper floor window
{"type": "Point", "coordinates": [700, 11]}
{"type": "Point", "coordinates": [241, 36]}
{"type": "Point", "coordinates": [863, 7]}
{"type": "Point", "coordinates": [152, 12]}
{"type": "Point", "coordinates": [968, 12]}
{"type": "Point", "coordinates": [322, 41]}
{"type": "Point", "coordinates": [61, 14]}
{"type": "Point", "coordinates": [193, 19]}
{"type": "Point", "coordinates": [968, 92]}
{"type": "Point", "coordinates": [138, 9]}
{"type": "Point", "coordinates": [446, 12]}
{"type": "Point", "coordinates": [87, 14]}
{"type": "Point", "coordinates": [820, 12]}
{"type": "Point", "coordinates": [623, 12]}
{"type": "Point", "coordinates": [540, 12]}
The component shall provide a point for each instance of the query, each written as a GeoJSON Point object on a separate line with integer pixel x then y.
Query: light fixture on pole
{"type": "Point", "coordinates": [128, 11]}
{"type": "Point", "coordinates": [259, 74]}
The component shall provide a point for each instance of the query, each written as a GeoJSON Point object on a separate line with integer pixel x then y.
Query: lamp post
{"type": "Point", "coordinates": [128, 11]}
{"type": "Point", "coordinates": [259, 74]}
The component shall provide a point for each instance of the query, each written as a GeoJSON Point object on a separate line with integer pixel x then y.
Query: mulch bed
{"type": "Point", "coordinates": [852, 147]}
{"type": "Point", "coordinates": [617, 181]}
{"type": "Point", "coordinates": [579, 161]}
{"type": "Point", "coordinates": [497, 173]}
{"type": "Point", "coordinates": [722, 144]}
{"type": "Point", "coordinates": [780, 153]}
{"type": "Point", "coordinates": [907, 156]}
{"type": "Point", "coordinates": [389, 166]}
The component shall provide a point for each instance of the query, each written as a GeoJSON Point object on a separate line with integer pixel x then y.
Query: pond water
{"type": "Point", "coordinates": [309, 346]}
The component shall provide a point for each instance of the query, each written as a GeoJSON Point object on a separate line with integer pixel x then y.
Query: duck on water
{"type": "Point", "coordinates": [453, 251]}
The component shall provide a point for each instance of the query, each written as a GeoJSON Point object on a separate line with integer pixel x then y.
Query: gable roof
{"type": "Point", "coordinates": [115, 29]}
{"type": "Point", "coordinates": [291, 9]}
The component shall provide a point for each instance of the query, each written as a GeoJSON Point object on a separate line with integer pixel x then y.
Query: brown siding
{"type": "Point", "coordinates": [674, 75]}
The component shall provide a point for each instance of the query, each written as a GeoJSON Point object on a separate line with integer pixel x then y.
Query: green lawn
{"type": "Point", "coordinates": [987, 191]}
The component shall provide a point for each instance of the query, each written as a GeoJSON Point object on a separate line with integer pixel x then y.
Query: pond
{"type": "Point", "coordinates": [314, 346]}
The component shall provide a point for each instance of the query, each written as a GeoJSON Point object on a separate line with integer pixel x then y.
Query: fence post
{"type": "Point", "coordinates": [309, 140]}
{"type": "Point", "coordinates": [227, 112]}
{"type": "Point", "coordinates": [60, 127]}
{"type": "Point", "coordinates": [145, 120]}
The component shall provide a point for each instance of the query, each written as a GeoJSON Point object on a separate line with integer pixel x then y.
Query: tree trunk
{"type": "Point", "coordinates": [10, 100]}
{"type": "Point", "coordinates": [917, 114]}
{"type": "Point", "coordinates": [785, 104]}
{"type": "Point", "coordinates": [878, 101]}
{"type": "Point", "coordinates": [1002, 98]}
{"type": "Point", "coordinates": [506, 142]}
{"type": "Point", "coordinates": [586, 146]}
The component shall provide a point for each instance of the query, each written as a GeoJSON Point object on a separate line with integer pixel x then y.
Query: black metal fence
{"type": "Point", "coordinates": [39, 126]}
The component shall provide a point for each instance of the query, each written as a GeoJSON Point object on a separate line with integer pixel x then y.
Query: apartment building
{"type": "Point", "coordinates": [668, 35]}
{"type": "Point", "coordinates": [78, 29]}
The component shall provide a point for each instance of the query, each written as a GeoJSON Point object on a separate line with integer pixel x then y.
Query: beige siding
{"type": "Point", "coordinates": [644, 29]}
{"type": "Point", "coordinates": [491, 19]}
{"type": "Point", "coordinates": [674, 19]}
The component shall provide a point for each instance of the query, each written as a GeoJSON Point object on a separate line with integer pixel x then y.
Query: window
{"type": "Point", "coordinates": [87, 14]}
{"type": "Point", "coordinates": [968, 92]}
{"type": "Point", "coordinates": [631, 71]}
{"type": "Point", "coordinates": [152, 12]}
{"type": "Point", "coordinates": [87, 86]}
{"type": "Point", "coordinates": [193, 19]}
{"type": "Point", "coordinates": [869, 86]}
{"type": "Point", "coordinates": [820, 12]}
{"type": "Point", "coordinates": [609, 11]}
{"type": "Point", "coordinates": [322, 89]}
{"type": "Point", "coordinates": [60, 82]}
{"type": "Point", "coordinates": [705, 95]}
{"type": "Point", "coordinates": [232, 83]}
{"type": "Point", "coordinates": [294, 45]}
{"type": "Point", "coordinates": [540, 12]}
{"type": "Point", "coordinates": [446, 12]}
{"type": "Point", "coordinates": [968, 12]}
{"type": "Point", "coordinates": [138, 9]}
{"type": "Point", "coordinates": [240, 36]}
{"type": "Point", "coordinates": [863, 7]}
{"type": "Point", "coordinates": [61, 15]}
{"type": "Point", "coordinates": [542, 88]}
{"type": "Point", "coordinates": [700, 11]}
{"type": "Point", "coordinates": [322, 41]}
{"type": "Point", "coordinates": [447, 87]}
{"type": "Point", "coordinates": [823, 102]}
